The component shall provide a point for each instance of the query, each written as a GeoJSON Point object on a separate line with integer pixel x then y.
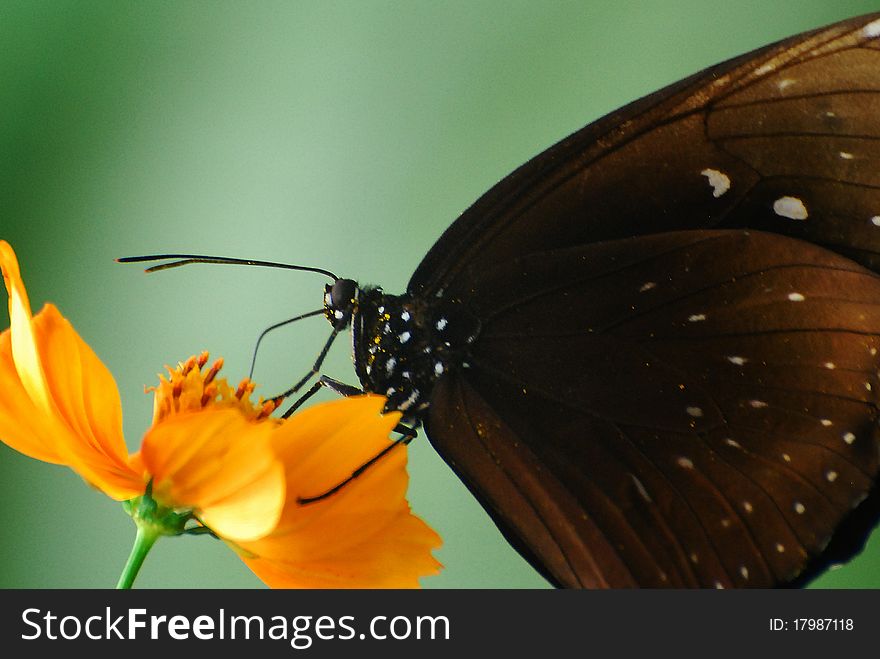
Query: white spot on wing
{"type": "Point", "coordinates": [872, 29]}
{"type": "Point", "coordinates": [780, 547]}
{"type": "Point", "coordinates": [719, 181]}
{"type": "Point", "coordinates": [685, 463]}
{"type": "Point", "coordinates": [764, 70]}
{"type": "Point", "coordinates": [695, 412]}
{"type": "Point", "coordinates": [744, 571]}
{"type": "Point", "coordinates": [846, 155]}
{"type": "Point", "coordinates": [785, 83]}
{"type": "Point", "coordinates": [733, 443]}
{"type": "Point", "coordinates": [829, 365]}
{"type": "Point", "coordinates": [786, 457]}
{"type": "Point", "coordinates": [697, 317]}
{"type": "Point", "coordinates": [796, 297]}
{"type": "Point", "coordinates": [831, 475]}
{"type": "Point", "coordinates": [876, 220]}
{"type": "Point", "coordinates": [747, 506]}
{"type": "Point", "coordinates": [799, 508]}
{"type": "Point", "coordinates": [404, 337]}
{"type": "Point", "coordinates": [757, 404]}
{"type": "Point", "coordinates": [641, 488]}
{"type": "Point", "coordinates": [848, 437]}
{"type": "Point", "coordinates": [441, 324]}
{"type": "Point", "coordinates": [790, 207]}
{"type": "Point", "coordinates": [739, 361]}
{"type": "Point", "coordinates": [647, 286]}
{"type": "Point", "coordinates": [404, 316]}
{"type": "Point", "coordinates": [825, 422]}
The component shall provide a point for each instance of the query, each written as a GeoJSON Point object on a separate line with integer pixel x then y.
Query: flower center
{"type": "Point", "coordinates": [188, 388]}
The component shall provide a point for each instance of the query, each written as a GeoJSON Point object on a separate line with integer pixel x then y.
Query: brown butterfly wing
{"type": "Point", "coordinates": [684, 409]}
{"type": "Point", "coordinates": [784, 139]}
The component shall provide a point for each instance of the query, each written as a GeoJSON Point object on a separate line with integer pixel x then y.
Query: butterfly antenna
{"type": "Point", "coordinates": [177, 260]}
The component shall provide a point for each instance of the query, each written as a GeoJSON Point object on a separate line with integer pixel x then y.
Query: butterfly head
{"type": "Point", "coordinates": [340, 302]}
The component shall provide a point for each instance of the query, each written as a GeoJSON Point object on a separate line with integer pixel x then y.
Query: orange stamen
{"type": "Point", "coordinates": [215, 368]}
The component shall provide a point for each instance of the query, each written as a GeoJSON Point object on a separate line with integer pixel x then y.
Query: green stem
{"type": "Point", "coordinates": [146, 536]}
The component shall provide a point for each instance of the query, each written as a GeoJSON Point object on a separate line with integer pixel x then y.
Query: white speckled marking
{"type": "Point", "coordinates": [868, 386]}
{"type": "Point", "coordinates": [831, 475]}
{"type": "Point", "coordinates": [875, 220]}
{"type": "Point", "coordinates": [790, 207]}
{"type": "Point", "coordinates": [764, 70]}
{"type": "Point", "coordinates": [685, 463]}
{"type": "Point", "coordinates": [404, 337]}
{"type": "Point", "coordinates": [796, 297]}
{"type": "Point", "coordinates": [438, 369]}
{"type": "Point", "coordinates": [411, 399]}
{"type": "Point", "coordinates": [744, 571]}
{"type": "Point", "coordinates": [846, 155]}
{"type": "Point", "coordinates": [697, 317]}
{"type": "Point", "coordinates": [735, 359]}
{"type": "Point", "coordinates": [758, 404]}
{"type": "Point", "coordinates": [785, 83]}
{"type": "Point", "coordinates": [404, 316]}
{"type": "Point", "coordinates": [719, 585]}
{"type": "Point", "coordinates": [733, 443]}
{"type": "Point", "coordinates": [647, 286]}
{"type": "Point", "coordinates": [825, 422]}
{"type": "Point", "coordinates": [747, 506]}
{"type": "Point", "coordinates": [848, 437]}
{"type": "Point", "coordinates": [829, 365]}
{"type": "Point", "coordinates": [641, 488]}
{"type": "Point", "coordinates": [695, 412]}
{"type": "Point", "coordinates": [780, 547]}
{"type": "Point", "coordinates": [719, 181]}
{"type": "Point", "coordinates": [799, 508]}
{"type": "Point", "coordinates": [390, 364]}
{"type": "Point", "coordinates": [441, 324]}
{"type": "Point", "coordinates": [872, 29]}
{"type": "Point", "coordinates": [786, 457]}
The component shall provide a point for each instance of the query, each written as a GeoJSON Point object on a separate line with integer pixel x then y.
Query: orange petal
{"type": "Point", "coordinates": [364, 535]}
{"type": "Point", "coordinates": [60, 403]}
{"type": "Point", "coordinates": [24, 347]}
{"type": "Point", "coordinates": [221, 465]}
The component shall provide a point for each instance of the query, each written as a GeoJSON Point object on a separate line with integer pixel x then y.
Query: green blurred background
{"type": "Point", "coordinates": [346, 135]}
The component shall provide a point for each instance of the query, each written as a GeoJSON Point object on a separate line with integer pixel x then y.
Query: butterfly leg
{"type": "Point", "coordinates": [344, 390]}
{"type": "Point", "coordinates": [400, 441]}
{"type": "Point", "coordinates": [333, 385]}
{"type": "Point", "coordinates": [316, 367]}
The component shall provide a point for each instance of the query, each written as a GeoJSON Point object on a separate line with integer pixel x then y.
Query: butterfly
{"type": "Point", "coordinates": [651, 351]}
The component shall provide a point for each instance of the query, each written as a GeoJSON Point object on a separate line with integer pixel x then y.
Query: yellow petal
{"type": "Point", "coordinates": [23, 426]}
{"type": "Point", "coordinates": [60, 403]}
{"type": "Point", "coordinates": [364, 535]}
{"type": "Point", "coordinates": [24, 348]}
{"type": "Point", "coordinates": [221, 465]}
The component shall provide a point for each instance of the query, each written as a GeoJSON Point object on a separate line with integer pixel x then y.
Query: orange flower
{"type": "Point", "coordinates": [213, 461]}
